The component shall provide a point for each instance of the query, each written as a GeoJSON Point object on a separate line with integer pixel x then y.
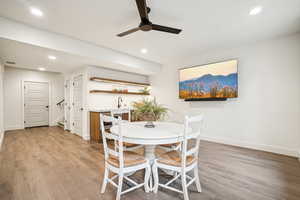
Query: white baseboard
{"type": "Point", "coordinates": [86, 138]}
{"type": "Point", "coordinates": [11, 128]}
{"type": "Point", "coordinates": [261, 147]}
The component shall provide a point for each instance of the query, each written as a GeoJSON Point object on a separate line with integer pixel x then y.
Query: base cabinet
{"type": "Point", "coordinates": [95, 129]}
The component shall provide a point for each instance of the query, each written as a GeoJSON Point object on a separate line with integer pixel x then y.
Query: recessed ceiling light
{"type": "Point", "coordinates": [41, 69]}
{"type": "Point", "coordinates": [144, 51]}
{"type": "Point", "coordinates": [36, 12]}
{"type": "Point", "coordinates": [256, 10]}
{"type": "Point", "coordinates": [52, 57]}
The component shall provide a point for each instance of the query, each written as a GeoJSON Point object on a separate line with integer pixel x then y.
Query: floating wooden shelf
{"type": "Point", "coordinates": [106, 80]}
{"type": "Point", "coordinates": [117, 92]}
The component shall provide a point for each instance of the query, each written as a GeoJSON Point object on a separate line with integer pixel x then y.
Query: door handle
{"type": "Point", "coordinates": [47, 106]}
{"type": "Point", "coordinates": [81, 109]}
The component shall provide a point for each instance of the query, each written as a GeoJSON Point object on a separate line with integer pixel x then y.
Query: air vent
{"type": "Point", "coordinates": [10, 63]}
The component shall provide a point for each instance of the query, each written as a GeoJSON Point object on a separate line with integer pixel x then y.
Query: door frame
{"type": "Point", "coordinates": [67, 104]}
{"type": "Point", "coordinates": [23, 101]}
{"type": "Point", "coordinates": [85, 94]}
{"type": "Point", "coordinates": [74, 76]}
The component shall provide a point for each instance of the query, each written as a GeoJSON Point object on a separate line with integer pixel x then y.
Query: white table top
{"type": "Point", "coordinates": [163, 133]}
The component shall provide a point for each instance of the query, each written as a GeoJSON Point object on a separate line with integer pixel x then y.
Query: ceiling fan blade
{"type": "Point", "coordinates": [165, 29]}
{"type": "Point", "coordinates": [129, 32]}
{"type": "Point", "coordinates": [142, 7]}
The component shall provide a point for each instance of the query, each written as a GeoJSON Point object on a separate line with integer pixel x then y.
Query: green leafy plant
{"type": "Point", "coordinates": [148, 110]}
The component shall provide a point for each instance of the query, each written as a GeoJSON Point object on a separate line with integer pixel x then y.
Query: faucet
{"type": "Point", "coordinates": [120, 100]}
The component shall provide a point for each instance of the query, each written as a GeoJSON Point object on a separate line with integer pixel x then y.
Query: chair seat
{"type": "Point", "coordinates": [130, 159]}
{"type": "Point", "coordinates": [174, 158]}
{"type": "Point", "coordinates": [130, 144]}
{"type": "Point", "coordinates": [125, 144]}
{"type": "Point", "coordinates": [170, 145]}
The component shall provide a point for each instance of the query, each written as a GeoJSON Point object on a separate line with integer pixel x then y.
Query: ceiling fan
{"type": "Point", "coordinates": [146, 24]}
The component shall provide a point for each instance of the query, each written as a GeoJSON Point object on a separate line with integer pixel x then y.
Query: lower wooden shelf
{"type": "Point", "coordinates": [117, 92]}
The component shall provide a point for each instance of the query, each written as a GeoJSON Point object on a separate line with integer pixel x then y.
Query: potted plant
{"type": "Point", "coordinates": [148, 110]}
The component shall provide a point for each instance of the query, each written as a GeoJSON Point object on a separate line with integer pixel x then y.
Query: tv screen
{"type": "Point", "coordinates": [217, 80]}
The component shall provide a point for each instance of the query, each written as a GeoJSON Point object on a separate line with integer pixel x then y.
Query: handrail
{"type": "Point", "coordinates": [59, 103]}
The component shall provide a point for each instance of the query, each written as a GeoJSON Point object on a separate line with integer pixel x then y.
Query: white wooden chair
{"type": "Point", "coordinates": [170, 147]}
{"type": "Point", "coordinates": [120, 113]}
{"type": "Point", "coordinates": [121, 162]}
{"type": "Point", "coordinates": [184, 161]}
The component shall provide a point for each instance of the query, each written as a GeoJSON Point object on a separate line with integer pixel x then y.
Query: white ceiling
{"type": "Point", "coordinates": [33, 57]}
{"type": "Point", "coordinates": [206, 24]}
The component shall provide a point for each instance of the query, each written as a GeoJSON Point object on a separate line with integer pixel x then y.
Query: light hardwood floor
{"type": "Point", "coordinates": [48, 163]}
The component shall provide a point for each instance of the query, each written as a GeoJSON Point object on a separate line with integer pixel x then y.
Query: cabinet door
{"type": "Point", "coordinates": [95, 129]}
{"type": "Point", "coordinates": [95, 132]}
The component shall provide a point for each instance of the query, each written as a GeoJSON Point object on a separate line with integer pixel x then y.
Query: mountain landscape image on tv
{"type": "Point", "coordinates": [217, 80]}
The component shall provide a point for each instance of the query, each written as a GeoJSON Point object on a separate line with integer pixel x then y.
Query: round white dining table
{"type": "Point", "coordinates": [162, 133]}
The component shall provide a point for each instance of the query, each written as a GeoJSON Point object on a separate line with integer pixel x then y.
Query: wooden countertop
{"type": "Point", "coordinates": [107, 109]}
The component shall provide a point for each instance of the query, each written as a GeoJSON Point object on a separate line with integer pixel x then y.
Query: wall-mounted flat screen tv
{"type": "Point", "coordinates": [210, 81]}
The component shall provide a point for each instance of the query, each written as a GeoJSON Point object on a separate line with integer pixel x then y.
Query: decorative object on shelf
{"type": "Point", "coordinates": [148, 110]}
{"type": "Point", "coordinates": [145, 90]}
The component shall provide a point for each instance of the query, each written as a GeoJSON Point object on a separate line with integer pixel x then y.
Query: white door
{"type": "Point", "coordinates": [67, 105]}
{"type": "Point", "coordinates": [36, 104]}
{"type": "Point", "coordinates": [77, 105]}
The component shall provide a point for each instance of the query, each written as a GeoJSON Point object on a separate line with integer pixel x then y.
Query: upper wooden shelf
{"type": "Point", "coordinates": [106, 80]}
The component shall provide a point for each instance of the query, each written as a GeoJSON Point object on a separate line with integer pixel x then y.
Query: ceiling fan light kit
{"type": "Point", "coordinates": [146, 24]}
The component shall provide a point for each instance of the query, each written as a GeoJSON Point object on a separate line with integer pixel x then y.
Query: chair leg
{"type": "Point", "coordinates": [146, 180]}
{"type": "Point", "coordinates": [197, 181]}
{"type": "Point", "coordinates": [155, 176]}
{"type": "Point", "coordinates": [184, 188]}
{"type": "Point", "coordinates": [104, 183]}
{"type": "Point", "coordinates": [120, 184]}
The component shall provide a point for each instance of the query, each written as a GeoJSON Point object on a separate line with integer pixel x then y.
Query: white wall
{"type": "Point", "coordinates": [13, 108]}
{"type": "Point", "coordinates": [266, 115]}
{"type": "Point", "coordinates": [1, 104]}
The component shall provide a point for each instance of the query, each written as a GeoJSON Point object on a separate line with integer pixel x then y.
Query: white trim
{"type": "Point", "coordinates": [261, 147]}
{"type": "Point", "coordinates": [85, 134]}
{"type": "Point", "coordinates": [1, 139]}
{"type": "Point", "coordinates": [76, 75]}
{"type": "Point", "coordinates": [67, 104]}
{"type": "Point", "coordinates": [15, 127]}
{"type": "Point", "coordinates": [50, 123]}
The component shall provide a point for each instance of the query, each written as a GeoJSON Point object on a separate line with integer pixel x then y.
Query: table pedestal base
{"type": "Point", "coordinates": [150, 155]}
